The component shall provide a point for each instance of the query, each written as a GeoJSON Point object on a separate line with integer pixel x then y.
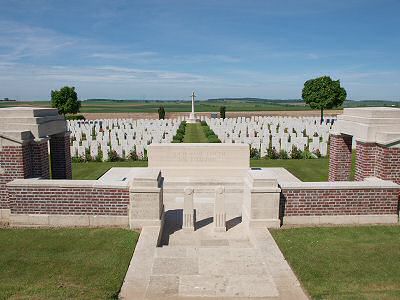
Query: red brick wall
{"type": "Point", "coordinates": [40, 159]}
{"type": "Point", "coordinates": [60, 152]}
{"type": "Point", "coordinates": [340, 157]}
{"type": "Point", "coordinates": [365, 160]}
{"type": "Point", "coordinates": [388, 163]}
{"type": "Point", "coordinates": [307, 202]}
{"type": "Point", "coordinates": [376, 160]}
{"type": "Point", "coordinates": [15, 163]}
{"type": "Point", "coordinates": [68, 200]}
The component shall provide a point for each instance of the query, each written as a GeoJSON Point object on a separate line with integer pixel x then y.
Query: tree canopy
{"type": "Point", "coordinates": [323, 93]}
{"type": "Point", "coordinates": [222, 112]}
{"type": "Point", "coordinates": [161, 113]}
{"type": "Point", "coordinates": [66, 100]}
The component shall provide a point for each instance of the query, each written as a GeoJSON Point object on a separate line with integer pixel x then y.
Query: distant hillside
{"type": "Point", "coordinates": [227, 101]}
{"type": "Point", "coordinates": [248, 99]}
{"type": "Point", "coordinates": [371, 103]}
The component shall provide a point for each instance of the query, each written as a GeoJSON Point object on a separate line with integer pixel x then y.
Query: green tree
{"type": "Point", "coordinates": [161, 113]}
{"type": "Point", "coordinates": [66, 100]}
{"type": "Point", "coordinates": [323, 93]}
{"type": "Point", "coordinates": [222, 112]}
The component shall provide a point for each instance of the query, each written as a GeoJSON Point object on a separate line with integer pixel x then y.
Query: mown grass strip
{"type": "Point", "coordinates": [344, 262]}
{"type": "Point", "coordinates": [64, 263]}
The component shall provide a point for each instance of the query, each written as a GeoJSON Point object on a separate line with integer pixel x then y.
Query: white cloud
{"type": "Point", "coordinates": [21, 41]}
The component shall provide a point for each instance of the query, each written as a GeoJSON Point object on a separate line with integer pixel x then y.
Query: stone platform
{"type": "Point", "coordinates": [237, 264]}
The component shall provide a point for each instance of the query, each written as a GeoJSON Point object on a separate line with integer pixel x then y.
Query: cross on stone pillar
{"type": "Point", "coordinates": [193, 96]}
{"type": "Point", "coordinates": [192, 116]}
{"type": "Point", "coordinates": [188, 210]}
{"type": "Point", "coordinates": [219, 210]}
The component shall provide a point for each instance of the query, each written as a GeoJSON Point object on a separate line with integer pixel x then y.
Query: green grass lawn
{"type": "Point", "coordinates": [194, 133]}
{"type": "Point", "coordinates": [94, 170]}
{"type": "Point", "coordinates": [64, 263]}
{"type": "Point", "coordinates": [344, 262]}
{"type": "Point", "coordinates": [304, 169]}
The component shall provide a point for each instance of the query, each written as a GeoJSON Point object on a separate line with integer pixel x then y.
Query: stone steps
{"type": "Point", "coordinates": [215, 265]}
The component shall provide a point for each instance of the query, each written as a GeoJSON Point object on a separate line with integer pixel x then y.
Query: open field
{"type": "Point", "coordinates": [110, 106]}
{"type": "Point", "coordinates": [64, 263]}
{"type": "Point", "coordinates": [344, 262]}
{"type": "Point", "coordinates": [229, 114]}
{"type": "Point", "coordinates": [148, 109]}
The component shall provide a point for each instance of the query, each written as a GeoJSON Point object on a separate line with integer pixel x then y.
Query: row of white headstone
{"type": "Point", "coordinates": [119, 135]}
{"type": "Point", "coordinates": [281, 133]}
{"type": "Point", "coordinates": [261, 133]}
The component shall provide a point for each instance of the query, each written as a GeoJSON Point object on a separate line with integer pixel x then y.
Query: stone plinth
{"type": "Point", "coordinates": [188, 210]}
{"type": "Point", "coordinates": [379, 125]}
{"type": "Point", "coordinates": [41, 122]}
{"type": "Point", "coordinates": [192, 119]}
{"type": "Point", "coordinates": [261, 200]}
{"type": "Point", "coordinates": [146, 202]}
{"type": "Point", "coordinates": [27, 130]}
{"type": "Point", "coordinates": [219, 210]}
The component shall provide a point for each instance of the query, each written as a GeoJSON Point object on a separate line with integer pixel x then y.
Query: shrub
{"type": "Point", "coordinates": [213, 139]}
{"type": "Point", "coordinates": [99, 157]}
{"type": "Point", "coordinates": [203, 123]}
{"type": "Point", "coordinates": [283, 154]}
{"type": "Point", "coordinates": [317, 153]}
{"type": "Point", "coordinates": [78, 159]}
{"type": "Point", "coordinates": [88, 157]}
{"type": "Point", "coordinates": [296, 153]}
{"type": "Point", "coordinates": [208, 131]}
{"type": "Point", "coordinates": [133, 155]}
{"type": "Point", "coordinates": [180, 133]}
{"type": "Point", "coordinates": [254, 153]}
{"type": "Point", "coordinates": [307, 154]}
{"type": "Point", "coordinates": [113, 156]}
{"type": "Point", "coordinates": [179, 136]}
{"type": "Point", "coordinates": [145, 155]}
{"type": "Point", "coordinates": [75, 117]}
{"type": "Point", "coordinates": [272, 153]}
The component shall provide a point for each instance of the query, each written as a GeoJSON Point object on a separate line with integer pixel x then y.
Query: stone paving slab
{"type": "Point", "coordinates": [233, 265]}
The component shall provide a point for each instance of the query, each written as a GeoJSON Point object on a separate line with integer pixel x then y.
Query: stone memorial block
{"type": "Point", "coordinates": [199, 159]}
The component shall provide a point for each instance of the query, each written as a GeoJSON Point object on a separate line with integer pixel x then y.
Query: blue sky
{"type": "Point", "coordinates": [165, 49]}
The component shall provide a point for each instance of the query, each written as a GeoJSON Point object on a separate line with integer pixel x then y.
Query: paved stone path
{"type": "Point", "coordinates": [207, 265]}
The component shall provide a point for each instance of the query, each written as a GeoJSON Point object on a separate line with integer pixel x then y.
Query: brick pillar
{"type": "Point", "coordinates": [388, 163]}
{"type": "Point", "coordinates": [40, 158]}
{"type": "Point", "coordinates": [340, 157]}
{"type": "Point", "coordinates": [365, 160]}
{"type": "Point", "coordinates": [60, 153]}
{"type": "Point", "coordinates": [15, 163]}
